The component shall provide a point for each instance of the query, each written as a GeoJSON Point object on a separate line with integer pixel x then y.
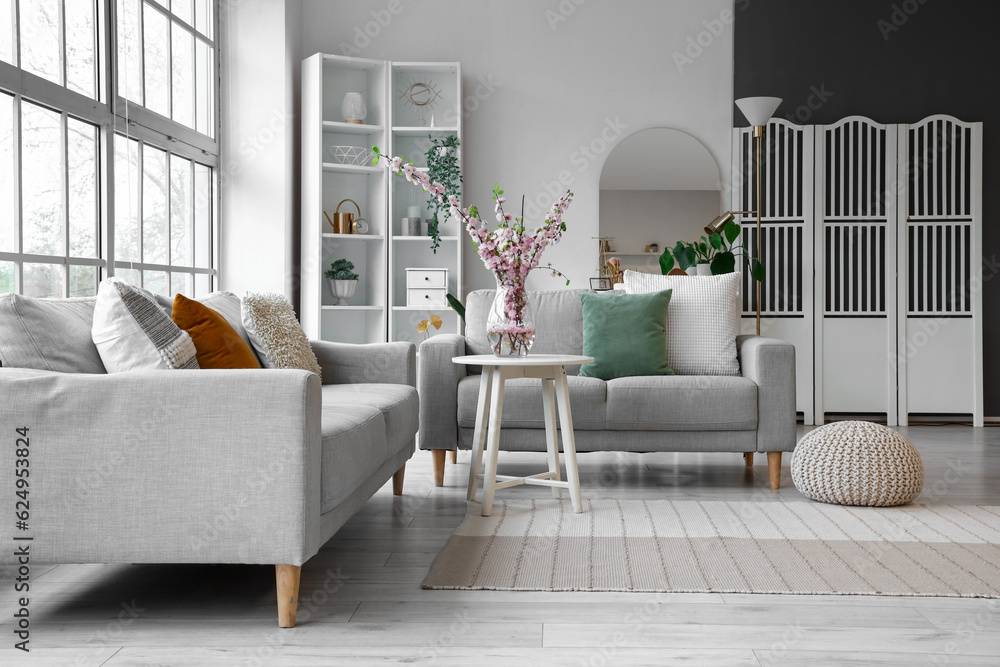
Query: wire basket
{"type": "Point", "coordinates": [353, 155]}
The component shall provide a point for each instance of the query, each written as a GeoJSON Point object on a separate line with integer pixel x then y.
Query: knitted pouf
{"type": "Point", "coordinates": [857, 463]}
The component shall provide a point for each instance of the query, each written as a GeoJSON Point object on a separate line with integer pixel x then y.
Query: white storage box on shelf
{"type": "Point", "coordinates": [426, 287]}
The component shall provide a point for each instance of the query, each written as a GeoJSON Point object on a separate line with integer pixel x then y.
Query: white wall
{"type": "Point", "coordinates": [260, 139]}
{"type": "Point", "coordinates": [551, 86]}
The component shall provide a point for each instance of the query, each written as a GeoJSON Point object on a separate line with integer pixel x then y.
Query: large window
{"type": "Point", "coordinates": [108, 149]}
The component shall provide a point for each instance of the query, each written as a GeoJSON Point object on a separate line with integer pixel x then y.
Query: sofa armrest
{"type": "Point", "coordinates": [181, 466]}
{"type": "Point", "coordinates": [770, 363]}
{"type": "Point", "coordinates": [384, 363]}
{"type": "Point", "coordinates": [437, 384]}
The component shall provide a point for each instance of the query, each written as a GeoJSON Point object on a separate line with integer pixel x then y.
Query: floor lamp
{"type": "Point", "coordinates": [758, 110]}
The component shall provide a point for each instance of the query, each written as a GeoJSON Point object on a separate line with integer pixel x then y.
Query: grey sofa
{"type": "Point", "coordinates": [203, 466]}
{"type": "Point", "coordinates": [753, 412]}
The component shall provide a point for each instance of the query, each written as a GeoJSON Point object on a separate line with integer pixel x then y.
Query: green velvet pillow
{"type": "Point", "coordinates": [625, 334]}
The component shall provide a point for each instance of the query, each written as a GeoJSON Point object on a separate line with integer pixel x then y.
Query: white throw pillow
{"type": "Point", "coordinates": [703, 320]}
{"type": "Point", "coordinates": [275, 333]}
{"type": "Point", "coordinates": [132, 333]}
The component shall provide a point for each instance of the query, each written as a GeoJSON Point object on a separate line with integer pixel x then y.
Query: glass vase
{"type": "Point", "coordinates": [510, 326]}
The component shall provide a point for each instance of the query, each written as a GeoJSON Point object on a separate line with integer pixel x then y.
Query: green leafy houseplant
{"type": "Point", "coordinates": [720, 251]}
{"type": "Point", "coordinates": [456, 305]}
{"type": "Point", "coordinates": [342, 269]}
{"type": "Point", "coordinates": [442, 167]}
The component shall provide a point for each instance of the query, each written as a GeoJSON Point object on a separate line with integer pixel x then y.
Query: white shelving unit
{"type": "Point", "coordinates": [378, 311]}
{"type": "Point", "coordinates": [325, 81]}
{"type": "Point", "coordinates": [409, 140]}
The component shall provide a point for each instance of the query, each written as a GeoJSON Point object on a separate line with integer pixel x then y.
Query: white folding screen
{"type": "Point", "coordinates": [939, 325]}
{"type": "Point", "coordinates": [855, 264]}
{"type": "Point", "coordinates": [787, 240]}
{"type": "Point", "coordinates": [872, 244]}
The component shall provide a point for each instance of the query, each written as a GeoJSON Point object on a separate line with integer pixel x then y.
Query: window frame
{"type": "Point", "coordinates": [112, 115]}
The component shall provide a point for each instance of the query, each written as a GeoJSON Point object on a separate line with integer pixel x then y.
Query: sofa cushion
{"type": "Point", "coordinates": [558, 323]}
{"type": "Point", "coordinates": [702, 322]}
{"type": "Point", "coordinates": [354, 448]}
{"type": "Point", "coordinates": [228, 305]}
{"type": "Point", "coordinates": [275, 333]}
{"type": "Point", "coordinates": [398, 404]}
{"type": "Point", "coordinates": [217, 343]}
{"type": "Point", "coordinates": [48, 334]}
{"type": "Point", "coordinates": [522, 402]}
{"type": "Point", "coordinates": [682, 403]}
{"type": "Point", "coordinates": [625, 334]}
{"type": "Point", "coordinates": [132, 333]}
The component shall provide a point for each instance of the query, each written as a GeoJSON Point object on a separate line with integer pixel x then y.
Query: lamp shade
{"type": "Point", "coordinates": [716, 225]}
{"type": "Point", "coordinates": [758, 110]}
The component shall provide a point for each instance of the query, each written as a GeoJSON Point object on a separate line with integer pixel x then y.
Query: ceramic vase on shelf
{"type": "Point", "coordinates": [342, 290]}
{"type": "Point", "coordinates": [701, 269]}
{"type": "Point", "coordinates": [353, 108]}
{"type": "Point", "coordinates": [510, 326]}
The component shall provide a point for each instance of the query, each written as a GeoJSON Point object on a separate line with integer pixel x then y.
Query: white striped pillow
{"type": "Point", "coordinates": [132, 332]}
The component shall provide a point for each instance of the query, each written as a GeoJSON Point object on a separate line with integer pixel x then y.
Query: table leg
{"type": "Point", "coordinates": [551, 444]}
{"type": "Point", "coordinates": [479, 435]}
{"type": "Point", "coordinates": [569, 444]}
{"type": "Point", "coordinates": [493, 448]}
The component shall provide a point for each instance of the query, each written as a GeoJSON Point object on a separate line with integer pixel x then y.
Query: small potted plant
{"type": "Point", "coordinates": [713, 255]}
{"type": "Point", "coordinates": [341, 280]}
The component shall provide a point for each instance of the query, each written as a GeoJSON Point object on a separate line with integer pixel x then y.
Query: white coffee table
{"type": "Point", "coordinates": [551, 369]}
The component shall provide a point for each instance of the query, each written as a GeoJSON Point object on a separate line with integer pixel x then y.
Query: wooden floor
{"type": "Point", "coordinates": [361, 601]}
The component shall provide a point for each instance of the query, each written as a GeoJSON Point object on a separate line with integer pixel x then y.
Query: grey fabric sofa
{"type": "Point", "coordinates": [206, 466]}
{"type": "Point", "coordinates": [749, 413]}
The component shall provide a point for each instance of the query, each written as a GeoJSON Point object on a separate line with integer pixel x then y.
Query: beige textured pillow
{"type": "Point", "coordinates": [275, 334]}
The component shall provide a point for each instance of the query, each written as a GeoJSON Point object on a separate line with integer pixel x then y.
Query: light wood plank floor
{"type": "Point", "coordinates": [119, 615]}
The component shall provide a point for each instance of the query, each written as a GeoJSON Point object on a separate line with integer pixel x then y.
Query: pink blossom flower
{"type": "Point", "coordinates": [508, 253]}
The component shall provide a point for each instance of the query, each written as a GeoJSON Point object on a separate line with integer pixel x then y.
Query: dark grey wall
{"type": "Point", "coordinates": [895, 62]}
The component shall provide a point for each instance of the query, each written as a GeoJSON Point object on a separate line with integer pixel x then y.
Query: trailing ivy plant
{"type": "Point", "coordinates": [442, 167]}
{"type": "Point", "coordinates": [719, 251]}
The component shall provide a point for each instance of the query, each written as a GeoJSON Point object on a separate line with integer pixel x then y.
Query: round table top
{"type": "Point", "coordinates": [529, 360]}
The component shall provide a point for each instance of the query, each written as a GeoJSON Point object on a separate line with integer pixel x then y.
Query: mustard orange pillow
{"type": "Point", "coordinates": [217, 342]}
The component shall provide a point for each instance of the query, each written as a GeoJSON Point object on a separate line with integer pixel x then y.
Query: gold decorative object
{"type": "Point", "coordinates": [360, 226]}
{"type": "Point", "coordinates": [604, 249]}
{"type": "Point", "coordinates": [614, 266]}
{"type": "Point", "coordinates": [343, 223]}
{"type": "Point", "coordinates": [424, 325]}
{"type": "Point", "coordinates": [421, 95]}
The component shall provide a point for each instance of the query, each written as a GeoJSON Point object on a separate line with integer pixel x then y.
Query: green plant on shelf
{"type": "Point", "coordinates": [442, 167]}
{"type": "Point", "coordinates": [341, 269]}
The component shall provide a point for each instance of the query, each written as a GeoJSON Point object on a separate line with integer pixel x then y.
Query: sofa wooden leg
{"type": "Point", "coordinates": [438, 456]}
{"type": "Point", "coordinates": [748, 458]}
{"type": "Point", "coordinates": [397, 481]}
{"type": "Point", "coordinates": [774, 469]}
{"type": "Point", "coordinates": [287, 579]}
{"type": "Point", "coordinates": [453, 456]}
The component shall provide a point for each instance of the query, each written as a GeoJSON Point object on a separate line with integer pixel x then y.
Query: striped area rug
{"type": "Point", "coordinates": [728, 547]}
